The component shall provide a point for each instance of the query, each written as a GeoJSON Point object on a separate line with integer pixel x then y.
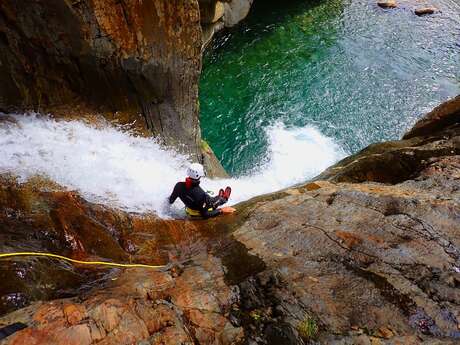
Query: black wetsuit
{"type": "Point", "coordinates": [195, 198]}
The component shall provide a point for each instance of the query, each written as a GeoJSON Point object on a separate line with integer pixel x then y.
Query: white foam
{"type": "Point", "coordinates": [115, 168]}
{"type": "Point", "coordinates": [295, 155]}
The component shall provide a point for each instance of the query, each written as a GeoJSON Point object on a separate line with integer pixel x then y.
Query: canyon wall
{"type": "Point", "coordinates": [134, 62]}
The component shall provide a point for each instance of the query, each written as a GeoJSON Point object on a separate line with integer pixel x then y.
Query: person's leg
{"type": "Point", "coordinates": [217, 201]}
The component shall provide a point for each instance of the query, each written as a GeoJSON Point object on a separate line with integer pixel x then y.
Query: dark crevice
{"type": "Point", "coordinates": [239, 263]}
{"type": "Point", "coordinates": [391, 294]}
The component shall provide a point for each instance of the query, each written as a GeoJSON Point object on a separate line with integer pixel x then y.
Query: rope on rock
{"type": "Point", "coordinates": [56, 256]}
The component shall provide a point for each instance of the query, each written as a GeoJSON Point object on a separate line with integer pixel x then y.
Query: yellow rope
{"type": "Point", "coordinates": [56, 256]}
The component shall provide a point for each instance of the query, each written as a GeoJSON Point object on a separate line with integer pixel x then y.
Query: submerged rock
{"type": "Point", "coordinates": [425, 10]}
{"type": "Point", "coordinates": [387, 4]}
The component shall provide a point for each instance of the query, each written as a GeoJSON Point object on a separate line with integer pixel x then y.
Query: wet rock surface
{"type": "Point", "coordinates": [40, 216]}
{"type": "Point", "coordinates": [185, 301]}
{"type": "Point", "coordinates": [106, 55]}
{"type": "Point", "coordinates": [368, 253]}
{"type": "Point", "coordinates": [138, 306]}
{"type": "Point", "coordinates": [136, 63]}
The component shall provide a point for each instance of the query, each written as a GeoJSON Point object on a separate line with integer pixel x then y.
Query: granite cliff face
{"type": "Point", "coordinates": [134, 62]}
{"type": "Point", "coordinates": [216, 15]}
{"type": "Point", "coordinates": [367, 253]}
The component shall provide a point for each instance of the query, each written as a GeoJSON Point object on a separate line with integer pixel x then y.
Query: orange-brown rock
{"type": "Point", "coordinates": [360, 261]}
{"type": "Point", "coordinates": [135, 62]}
{"type": "Point", "coordinates": [139, 305]}
{"type": "Point", "coordinates": [41, 216]}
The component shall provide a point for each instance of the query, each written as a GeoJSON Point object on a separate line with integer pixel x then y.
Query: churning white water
{"type": "Point", "coordinates": [137, 174]}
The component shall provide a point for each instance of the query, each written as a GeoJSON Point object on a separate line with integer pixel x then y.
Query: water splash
{"type": "Point", "coordinates": [137, 174]}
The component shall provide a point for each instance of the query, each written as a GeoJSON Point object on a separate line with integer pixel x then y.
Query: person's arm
{"type": "Point", "coordinates": [205, 213]}
{"type": "Point", "coordinates": [175, 193]}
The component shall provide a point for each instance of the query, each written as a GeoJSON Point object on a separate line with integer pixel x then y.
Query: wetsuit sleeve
{"type": "Point", "coordinates": [175, 193]}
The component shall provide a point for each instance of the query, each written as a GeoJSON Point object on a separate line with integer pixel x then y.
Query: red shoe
{"type": "Point", "coordinates": [227, 193]}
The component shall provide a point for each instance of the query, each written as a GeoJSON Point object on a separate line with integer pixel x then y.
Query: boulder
{"type": "Point", "coordinates": [211, 12]}
{"type": "Point", "coordinates": [434, 135]}
{"type": "Point", "coordinates": [444, 115]}
{"type": "Point", "coordinates": [236, 11]}
{"type": "Point", "coordinates": [387, 4]}
{"type": "Point", "coordinates": [425, 10]}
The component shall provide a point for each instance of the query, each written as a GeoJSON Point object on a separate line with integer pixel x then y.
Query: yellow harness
{"type": "Point", "coordinates": [194, 213]}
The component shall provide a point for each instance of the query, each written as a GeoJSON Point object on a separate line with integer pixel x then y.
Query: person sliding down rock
{"type": "Point", "coordinates": [198, 203]}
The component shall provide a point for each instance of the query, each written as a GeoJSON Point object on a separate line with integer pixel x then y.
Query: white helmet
{"type": "Point", "coordinates": [195, 171]}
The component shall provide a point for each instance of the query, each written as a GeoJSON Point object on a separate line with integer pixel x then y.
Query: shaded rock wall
{"type": "Point", "coordinates": [140, 57]}
{"type": "Point", "coordinates": [133, 61]}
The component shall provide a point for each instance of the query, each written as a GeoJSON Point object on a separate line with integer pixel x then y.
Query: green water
{"type": "Point", "coordinates": [356, 72]}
